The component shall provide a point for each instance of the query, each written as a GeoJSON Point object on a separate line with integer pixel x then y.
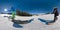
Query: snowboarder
{"type": "Point", "coordinates": [56, 13]}
{"type": "Point", "coordinates": [13, 14]}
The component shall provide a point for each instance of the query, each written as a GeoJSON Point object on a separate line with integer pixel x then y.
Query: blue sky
{"type": "Point", "coordinates": [31, 6]}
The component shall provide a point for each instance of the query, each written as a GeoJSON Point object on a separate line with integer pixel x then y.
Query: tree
{"type": "Point", "coordinates": [20, 13]}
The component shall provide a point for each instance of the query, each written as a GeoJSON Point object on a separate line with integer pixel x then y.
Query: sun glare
{"type": "Point", "coordinates": [5, 9]}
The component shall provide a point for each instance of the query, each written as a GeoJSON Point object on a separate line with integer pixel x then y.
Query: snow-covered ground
{"type": "Point", "coordinates": [6, 24]}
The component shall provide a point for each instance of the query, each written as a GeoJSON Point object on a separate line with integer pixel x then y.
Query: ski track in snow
{"type": "Point", "coordinates": [6, 24]}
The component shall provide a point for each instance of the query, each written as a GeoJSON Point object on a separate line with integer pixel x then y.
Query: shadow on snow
{"type": "Point", "coordinates": [18, 22]}
{"type": "Point", "coordinates": [46, 21]}
{"type": "Point", "coordinates": [17, 25]}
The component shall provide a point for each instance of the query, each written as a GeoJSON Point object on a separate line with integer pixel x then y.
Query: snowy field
{"type": "Point", "coordinates": [6, 24]}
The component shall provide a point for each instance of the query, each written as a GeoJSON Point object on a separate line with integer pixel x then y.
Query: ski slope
{"type": "Point", "coordinates": [6, 24]}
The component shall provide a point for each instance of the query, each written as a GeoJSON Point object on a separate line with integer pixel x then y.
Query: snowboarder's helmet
{"type": "Point", "coordinates": [55, 8]}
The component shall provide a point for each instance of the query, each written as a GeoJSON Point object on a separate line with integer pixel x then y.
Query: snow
{"type": "Point", "coordinates": [6, 24]}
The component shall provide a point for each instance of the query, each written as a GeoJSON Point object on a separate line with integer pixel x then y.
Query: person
{"type": "Point", "coordinates": [13, 14]}
{"type": "Point", "coordinates": [56, 13]}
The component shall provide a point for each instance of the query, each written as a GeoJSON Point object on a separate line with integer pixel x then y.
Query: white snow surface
{"type": "Point", "coordinates": [6, 24]}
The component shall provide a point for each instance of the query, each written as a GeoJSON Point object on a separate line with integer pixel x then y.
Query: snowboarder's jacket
{"type": "Point", "coordinates": [13, 14]}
